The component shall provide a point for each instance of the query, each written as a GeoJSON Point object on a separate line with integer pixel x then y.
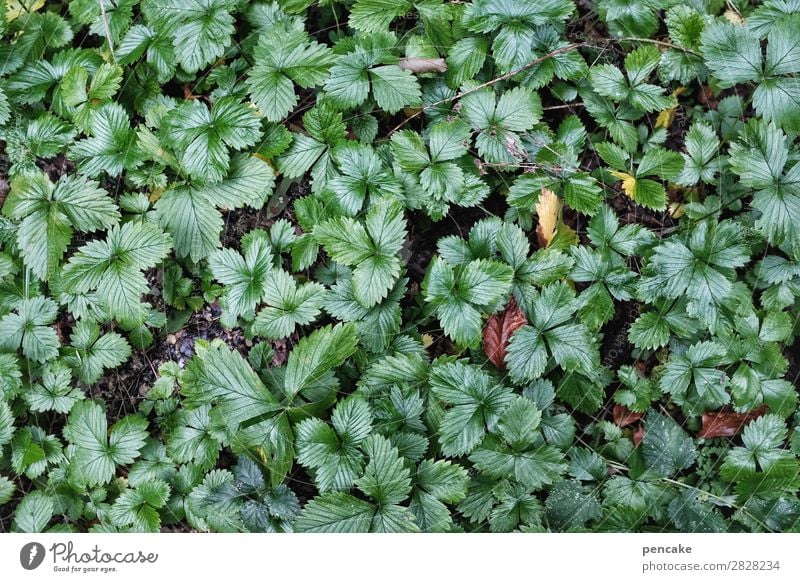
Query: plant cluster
{"type": "Point", "coordinates": [505, 265]}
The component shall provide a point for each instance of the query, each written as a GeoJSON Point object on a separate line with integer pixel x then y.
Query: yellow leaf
{"type": "Point", "coordinates": [676, 209]}
{"type": "Point", "coordinates": [156, 194]}
{"type": "Point", "coordinates": [733, 17]}
{"type": "Point", "coordinates": [427, 340]}
{"type": "Point", "coordinates": [16, 8]}
{"type": "Point", "coordinates": [547, 207]}
{"type": "Point", "coordinates": [628, 182]}
{"type": "Point", "coordinates": [667, 116]}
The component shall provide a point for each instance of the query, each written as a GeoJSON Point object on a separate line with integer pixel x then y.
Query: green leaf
{"type": "Point", "coordinates": [690, 514]}
{"type": "Point", "coordinates": [386, 479]}
{"type": "Point", "coordinates": [113, 267]}
{"type": "Point", "coordinates": [762, 439]}
{"type": "Point", "coordinates": [5, 110]}
{"type": "Point", "coordinates": [7, 427]}
{"type": "Point", "coordinates": [190, 214]}
{"type": "Point", "coordinates": [193, 440]}
{"type": "Point", "coordinates": [335, 513]}
{"type": "Point", "coordinates": [246, 278]}
{"type": "Point", "coordinates": [112, 146]}
{"type": "Point", "coordinates": [443, 480]}
{"type": "Point", "coordinates": [90, 353]}
{"type": "Point", "coordinates": [202, 137]}
{"type": "Point", "coordinates": [138, 508]}
{"type": "Point", "coordinates": [476, 402]}
{"type": "Point", "coordinates": [526, 355]}
{"type": "Point", "coordinates": [98, 452]}
{"type": "Point", "coordinates": [666, 448]}
{"type": "Point", "coordinates": [458, 296]}
{"type": "Point", "coordinates": [216, 503]}
{"type": "Point", "coordinates": [702, 270]}
{"type": "Point", "coordinates": [315, 355]}
{"type": "Point", "coordinates": [281, 58]}
{"type": "Point", "coordinates": [287, 305]}
{"type": "Point", "coordinates": [55, 390]}
{"type": "Point", "coordinates": [660, 162]}
{"type": "Point", "coordinates": [333, 453]}
{"type": "Point", "coordinates": [448, 140]}
{"type": "Point", "coordinates": [394, 88]}
{"type": "Point", "coordinates": [760, 160]}
{"type": "Point", "coordinates": [641, 62]}
{"type": "Point", "coordinates": [732, 52]}
{"type": "Point", "coordinates": [410, 151]}
{"type": "Point", "coordinates": [29, 327]}
{"type": "Point", "coordinates": [34, 512]}
{"type": "Point", "coordinates": [609, 81]}
{"type": "Point", "coordinates": [573, 348]}
{"type": "Point", "coordinates": [200, 29]}
{"type": "Point", "coordinates": [336, 464]}
{"type": "Point", "coordinates": [7, 489]}
{"type": "Point", "coordinates": [217, 374]}
{"type": "Point", "coordinates": [371, 250]}
{"type": "Point", "coordinates": [376, 15]}
{"type": "Point", "coordinates": [571, 506]}
{"type": "Point", "coordinates": [700, 162]}
{"type": "Point", "coordinates": [49, 212]}
{"type": "Point", "coordinates": [464, 59]}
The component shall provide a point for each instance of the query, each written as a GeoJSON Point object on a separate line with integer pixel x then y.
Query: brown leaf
{"type": "Point", "coordinates": [725, 423]}
{"type": "Point", "coordinates": [623, 416]}
{"type": "Point", "coordinates": [498, 330]}
{"type": "Point", "coordinates": [638, 435]}
{"type": "Point", "coordinates": [705, 96]}
{"type": "Point", "coordinates": [422, 65]}
{"type": "Point", "coordinates": [547, 207]}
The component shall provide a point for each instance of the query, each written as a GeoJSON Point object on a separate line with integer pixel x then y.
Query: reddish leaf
{"type": "Point", "coordinates": [497, 332]}
{"type": "Point", "coordinates": [638, 435]}
{"type": "Point", "coordinates": [624, 417]}
{"type": "Point", "coordinates": [725, 423]}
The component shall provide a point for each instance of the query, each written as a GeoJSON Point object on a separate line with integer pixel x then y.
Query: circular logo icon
{"type": "Point", "coordinates": [31, 555]}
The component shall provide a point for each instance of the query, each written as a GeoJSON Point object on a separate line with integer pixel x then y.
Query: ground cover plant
{"type": "Point", "coordinates": [399, 265]}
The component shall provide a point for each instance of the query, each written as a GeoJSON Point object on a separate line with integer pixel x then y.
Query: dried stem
{"type": "Point", "coordinates": [106, 28]}
{"type": "Point", "coordinates": [508, 75]}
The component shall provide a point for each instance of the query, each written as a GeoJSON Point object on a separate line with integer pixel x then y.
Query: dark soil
{"type": "Point", "coordinates": [242, 220]}
{"type": "Point", "coordinates": [125, 387]}
{"type": "Point", "coordinates": [56, 167]}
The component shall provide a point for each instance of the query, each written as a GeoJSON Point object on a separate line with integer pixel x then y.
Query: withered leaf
{"type": "Point", "coordinates": [623, 416]}
{"type": "Point", "coordinates": [725, 423]}
{"type": "Point", "coordinates": [423, 65]}
{"type": "Point", "coordinates": [638, 435]}
{"type": "Point", "coordinates": [547, 207]}
{"type": "Point", "coordinates": [498, 330]}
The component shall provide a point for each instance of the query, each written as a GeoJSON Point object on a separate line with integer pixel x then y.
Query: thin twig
{"type": "Point", "coordinates": [505, 77]}
{"type": "Point", "coordinates": [659, 43]}
{"type": "Point", "coordinates": [106, 28]}
{"type": "Point", "coordinates": [565, 106]}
